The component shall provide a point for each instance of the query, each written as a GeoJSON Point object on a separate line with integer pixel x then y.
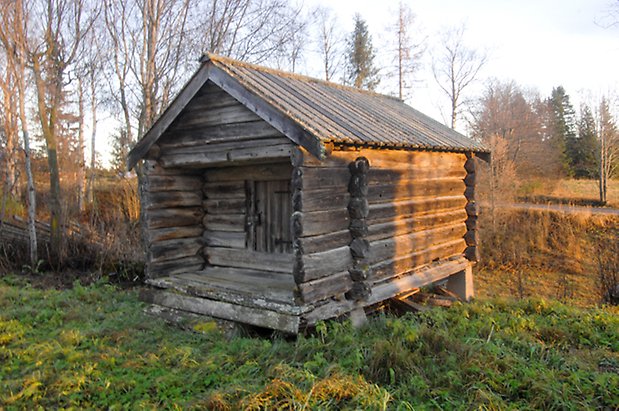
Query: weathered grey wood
{"type": "Point", "coordinates": [156, 183]}
{"type": "Point", "coordinates": [265, 154]}
{"type": "Point", "coordinates": [360, 248]}
{"type": "Point", "coordinates": [228, 189]}
{"type": "Point", "coordinates": [154, 168]}
{"type": "Point", "coordinates": [404, 263]}
{"type": "Point", "coordinates": [307, 224]}
{"type": "Point", "coordinates": [224, 148]}
{"type": "Point", "coordinates": [360, 291]}
{"type": "Point", "coordinates": [358, 228]}
{"type": "Point", "coordinates": [326, 287]}
{"type": "Point", "coordinates": [167, 199]}
{"type": "Point", "coordinates": [174, 267]}
{"type": "Point", "coordinates": [322, 178]}
{"type": "Point", "coordinates": [470, 165]}
{"type": "Point", "coordinates": [472, 253]}
{"type": "Point", "coordinates": [469, 193]}
{"type": "Point", "coordinates": [172, 233]}
{"type": "Point", "coordinates": [358, 185]}
{"type": "Point", "coordinates": [169, 115]}
{"type": "Point", "coordinates": [389, 248]}
{"type": "Point", "coordinates": [224, 239]}
{"type": "Point", "coordinates": [153, 152]}
{"type": "Point", "coordinates": [275, 171]}
{"type": "Point", "coordinates": [405, 224]}
{"type": "Point", "coordinates": [322, 264]}
{"type": "Point", "coordinates": [268, 112]}
{"type": "Point", "coordinates": [461, 284]}
{"type": "Point", "coordinates": [409, 189]}
{"type": "Point", "coordinates": [224, 133]}
{"type": "Point", "coordinates": [472, 209]}
{"type": "Point", "coordinates": [471, 223]}
{"type": "Point", "coordinates": [470, 179]}
{"type": "Point", "coordinates": [471, 237]}
{"type": "Point", "coordinates": [320, 200]}
{"type": "Point", "coordinates": [414, 207]}
{"type": "Point", "coordinates": [225, 206]}
{"type": "Point", "coordinates": [235, 113]}
{"type": "Point", "coordinates": [243, 258]}
{"type": "Point", "coordinates": [173, 217]}
{"type": "Point", "coordinates": [224, 222]}
{"type": "Point", "coordinates": [174, 249]}
{"type": "Point", "coordinates": [252, 281]}
{"type": "Point", "coordinates": [324, 242]}
{"type": "Point", "coordinates": [220, 309]}
{"type": "Point", "coordinates": [359, 165]}
{"type": "Point", "coordinates": [358, 208]}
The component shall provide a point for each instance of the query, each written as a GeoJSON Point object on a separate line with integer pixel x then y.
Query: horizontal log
{"type": "Point", "coordinates": [307, 224]}
{"type": "Point", "coordinates": [418, 278]}
{"type": "Point", "coordinates": [227, 189]}
{"type": "Point", "coordinates": [405, 263]}
{"type": "Point", "coordinates": [154, 168]}
{"type": "Point", "coordinates": [422, 206]}
{"type": "Point", "coordinates": [393, 247]}
{"type": "Point", "coordinates": [172, 233]}
{"type": "Point", "coordinates": [174, 249]}
{"type": "Point", "coordinates": [319, 200]}
{"type": "Point", "coordinates": [321, 178]}
{"type": "Point", "coordinates": [408, 189]}
{"type": "Point", "coordinates": [263, 153]}
{"type": "Point", "coordinates": [381, 176]}
{"type": "Point", "coordinates": [404, 225]}
{"type": "Point", "coordinates": [224, 310]}
{"type": "Point", "coordinates": [167, 199]}
{"type": "Point", "coordinates": [323, 242]}
{"type": "Point", "coordinates": [173, 217]}
{"type": "Point", "coordinates": [222, 148]}
{"type": "Point", "coordinates": [224, 222]}
{"type": "Point", "coordinates": [228, 239]}
{"type": "Point", "coordinates": [174, 267]}
{"type": "Point", "coordinates": [331, 286]}
{"type": "Point", "coordinates": [322, 264]}
{"type": "Point", "coordinates": [265, 172]}
{"type": "Point", "coordinates": [217, 116]}
{"type": "Point", "coordinates": [224, 133]}
{"type": "Point", "coordinates": [225, 206]}
{"type": "Point", "coordinates": [381, 158]}
{"type": "Point", "coordinates": [244, 258]}
{"type": "Point", "coordinates": [155, 183]}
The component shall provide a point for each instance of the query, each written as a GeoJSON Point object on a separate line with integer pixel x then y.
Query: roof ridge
{"type": "Point", "coordinates": [218, 58]}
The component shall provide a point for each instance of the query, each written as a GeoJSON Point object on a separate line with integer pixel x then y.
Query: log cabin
{"type": "Point", "coordinates": [280, 200]}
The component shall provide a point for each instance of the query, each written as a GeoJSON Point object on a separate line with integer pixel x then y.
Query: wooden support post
{"type": "Point", "coordinates": [461, 283]}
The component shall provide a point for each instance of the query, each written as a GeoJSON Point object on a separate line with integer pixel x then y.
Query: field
{"type": "Point", "coordinates": [93, 347]}
{"type": "Point", "coordinates": [578, 192]}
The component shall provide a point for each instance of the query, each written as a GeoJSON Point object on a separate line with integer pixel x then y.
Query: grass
{"type": "Point", "coordinates": [93, 347]}
{"type": "Point", "coordinates": [578, 192]}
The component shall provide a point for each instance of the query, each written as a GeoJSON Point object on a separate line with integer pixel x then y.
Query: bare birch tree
{"type": "Point", "coordinates": [330, 43]}
{"type": "Point", "coordinates": [14, 40]}
{"type": "Point", "coordinates": [455, 67]}
{"type": "Point", "coordinates": [408, 52]}
{"type": "Point", "coordinates": [608, 153]}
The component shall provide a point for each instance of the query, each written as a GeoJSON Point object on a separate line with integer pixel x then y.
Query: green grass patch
{"type": "Point", "coordinates": [93, 347]}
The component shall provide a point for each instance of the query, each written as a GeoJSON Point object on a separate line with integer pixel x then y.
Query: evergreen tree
{"type": "Point", "coordinates": [584, 162]}
{"type": "Point", "coordinates": [360, 69]}
{"type": "Point", "coordinates": [562, 127]}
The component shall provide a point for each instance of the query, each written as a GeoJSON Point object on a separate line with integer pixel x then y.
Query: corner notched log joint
{"type": "Point", "coordinates": [358, 209]}
{"type": "Point", "coordinates": [472, 210]}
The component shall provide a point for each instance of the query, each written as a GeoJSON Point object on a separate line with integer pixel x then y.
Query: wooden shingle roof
{"type": "Point", "coordinates": [314, 112]}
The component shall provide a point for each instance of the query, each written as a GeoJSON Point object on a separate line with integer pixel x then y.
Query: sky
{"type": "Point", "coordinates": [539, 44]}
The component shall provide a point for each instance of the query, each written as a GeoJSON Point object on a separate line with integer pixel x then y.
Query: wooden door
{"type": "Point", "coordinates": [269, 212]}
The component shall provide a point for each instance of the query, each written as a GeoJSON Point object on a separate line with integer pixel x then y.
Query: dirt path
{"type": "Point", "coordinates": [569, 209]}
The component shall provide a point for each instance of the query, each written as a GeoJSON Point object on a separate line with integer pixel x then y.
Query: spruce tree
{"type": "Point", "coordinates": [360, 69]}
{"type": "Point", "coordinates": [584, 162]}
{"type": "Point", "coordinates": [562, 127]}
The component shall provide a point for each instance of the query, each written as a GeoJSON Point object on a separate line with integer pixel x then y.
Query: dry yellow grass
{"type": "Point", "coordinates": [570, 190]}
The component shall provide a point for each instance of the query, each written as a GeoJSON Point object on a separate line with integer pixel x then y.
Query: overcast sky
{"type": "Point", "coordinates": [537, 43]}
